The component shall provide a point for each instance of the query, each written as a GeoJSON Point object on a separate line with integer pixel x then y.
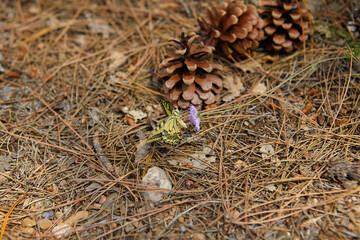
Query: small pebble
{"type": "Point", "coordinates": [199, 236]}
{"type": "Point", "coordinates": [61, 230]}
{"type": "Point", "coordinates": [28, 231]}
{"type": "Point", "coordinates": [48, 214]}
{"type": "Point", "coordinates": [28, 222]}
{"type": "Point", "coordinates": [45, 224]}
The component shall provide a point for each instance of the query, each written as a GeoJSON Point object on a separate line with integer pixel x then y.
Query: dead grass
{"type": "Point", "coordinates": [71, 67]}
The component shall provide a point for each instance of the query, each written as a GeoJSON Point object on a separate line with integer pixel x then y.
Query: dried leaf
{"type": "Point", "coordinates": [312, 92]}
{"type": "Point", "coordinates": [307, 108]}
{"type": "Point", "coordinates": [203, 159]}
{"type": "Point", "coordinates": [98, 26]}
{"type": "Point", "coordinates": [211, 106]}
{"type": "Point", "coordinates": [197, 160]}
{"type": "Point", "coordinates": [136, 114]}
{"type": "Point", "coordinates": [259, 88]}
{"type": "Point", "coordinates": [248, 65]}
{"type": "Point", "coordinates": [117, 58]}
{"type": "Point", "coordinates": [129, 121]}
{"type": "Point", "coordinates": [266, 149]}
{"type": "Point", "coordinates": [13, 74]}
{"type": "Point", "coordinates": [271, 187]}
{"type": "Point", "coordinates": [268, 58]}
{"type": "Point", "coordinates": [234, 86]}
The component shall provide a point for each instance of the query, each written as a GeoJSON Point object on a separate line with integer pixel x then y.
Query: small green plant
{"type": "Point", "coordinates": [353, 51]}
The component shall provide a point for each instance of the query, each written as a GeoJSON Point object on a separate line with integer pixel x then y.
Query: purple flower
{"type": "Point", "coordinates": [194, 117]}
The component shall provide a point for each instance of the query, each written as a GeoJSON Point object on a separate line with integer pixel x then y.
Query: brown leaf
{"type": "Point", "coordinates": [248, 65]}
{"type": "Point", "coordinates": [321, 119]}
{"type": "Point", "coordinates": [307, 108]}
{"type": "Point", "coordinates": [259, 88]}
{"type": "Point", "coordinates": [13, 74]}
{"type": "Point", "coordinates": [117, 58]}
{"type": "Point", "coordinates": [312, 92]}
{"type": "Point", "coordinates": [234, 86]}
{"type": "Point", "coordinates": [269, 58]}
{"type": "Point", "coordinates": [129, 121]}
{"type": "Point", "coordinates": [211, 106]}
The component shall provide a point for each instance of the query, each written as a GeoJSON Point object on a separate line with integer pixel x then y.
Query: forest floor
{"type": "Point", "coordinates": [277, 157]}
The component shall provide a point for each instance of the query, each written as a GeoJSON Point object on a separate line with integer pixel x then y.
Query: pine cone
{"type": "Point", "coordinates": [232, 27]}
{"type": "Point", "coordinates": [286, 26]}
{"type": "Point", "coordinates": [188, 73]}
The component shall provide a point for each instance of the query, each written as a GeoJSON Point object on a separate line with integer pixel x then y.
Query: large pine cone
{"type": "Point", "coordinates": [233, 28]}
{"type": "Point", "coordinates": [286, 25]}
{"type": "Point", "coordinates": [189, 74]}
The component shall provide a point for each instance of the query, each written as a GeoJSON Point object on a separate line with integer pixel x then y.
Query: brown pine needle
{"type": "Point", "coordinates": [8, 214]}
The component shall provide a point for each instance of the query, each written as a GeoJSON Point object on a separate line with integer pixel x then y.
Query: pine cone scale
{"type": "Point", "coordinates": [190, 64]}
{"type": "Point", "coordinates": [203, 95]}
{"type": "Point", "coordinates": [203, 82]}
{"type": "Point", "coordinates": [240, 32]}
{"type": "Point", "coordinates": [175, 93]}
{"type": "Point", "coordinates": [294, 33]}
{"type": "Point", "coordinates": [211, 99]}
{"type": "Point", "coordinates": [188, 77]}
{"type": "Point", "coordinates": [232, 20]}
{"type": "Point", "coordinates": [214, 79]}
{"type": "Point", "coordinates": [205, 66]}
{"type": "Point", "coordinates": [170, 83]}
{"type": "Point", "coordinates": [228, 37]}
{"type": "Point", "coordinates": [188, 91]}
{"type": "Point", "coordinates": [172, 68]}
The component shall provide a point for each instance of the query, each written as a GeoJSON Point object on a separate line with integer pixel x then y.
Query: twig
{"type": "Point", "coordinates": [100, 153]}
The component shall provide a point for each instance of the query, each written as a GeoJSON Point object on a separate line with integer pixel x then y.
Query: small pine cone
{"type": "Point", "coordinates": [189, 74]}
{"type": "Point", "coordinates": [286, 26]}
{"type": "Point", "coordinates": [232, 27]}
